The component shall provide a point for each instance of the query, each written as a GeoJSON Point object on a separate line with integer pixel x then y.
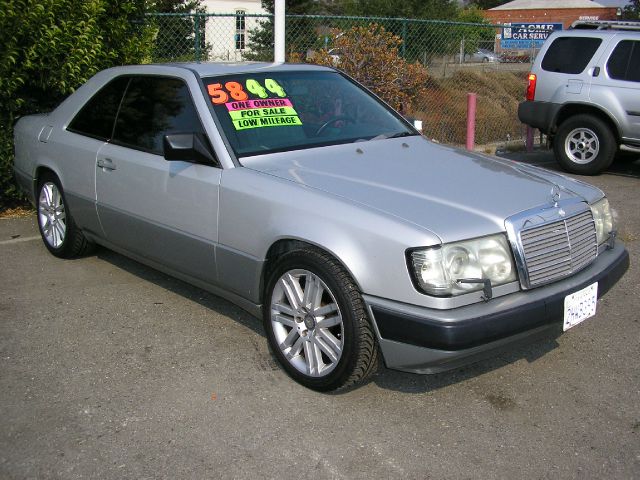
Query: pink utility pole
{"type": "Point", "coordinates": [471, 120]}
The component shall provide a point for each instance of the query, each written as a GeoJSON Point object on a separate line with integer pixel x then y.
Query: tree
{"type": "Point", "coordinates": [477, 35]}
{"type": "Point", "coordinates": [422, 9]}
{"type": "Point", "coordinates": [422, 39]}
{"type": "Point", "coordinates": [632, 11]}
{"type": "Point", "coordinates": [487, 4]}
{"type": "Point", "coordinates": [51, 47]}
{"type": "Point", "coordinates": [176, 37]}
{"type": "Point", "coordinates": [300, 32]}
{"type": "Point", "coordinates": [370, 55]}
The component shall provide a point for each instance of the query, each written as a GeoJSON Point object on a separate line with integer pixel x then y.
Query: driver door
{"type": "Point", "coordinates": [163, 211]}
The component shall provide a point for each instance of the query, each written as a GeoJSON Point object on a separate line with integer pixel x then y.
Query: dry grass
{"type": "Point", "coordinates": [17, 212]}
{"type": "Point", "coordinates": [444, 107]}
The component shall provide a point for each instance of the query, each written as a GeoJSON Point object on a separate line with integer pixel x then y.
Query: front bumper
{"type": "Point", "coordinates": [424, 340]}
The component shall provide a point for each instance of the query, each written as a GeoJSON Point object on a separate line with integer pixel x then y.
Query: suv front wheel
{"type": "Point", "coordinates": [584, 145]}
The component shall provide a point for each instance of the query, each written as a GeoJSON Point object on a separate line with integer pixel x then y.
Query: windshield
{"type": "Point", "coordinates": [272, 112]}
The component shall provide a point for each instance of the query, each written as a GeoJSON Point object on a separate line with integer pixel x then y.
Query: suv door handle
{"type": "Point", "coordinates": [106, 163]}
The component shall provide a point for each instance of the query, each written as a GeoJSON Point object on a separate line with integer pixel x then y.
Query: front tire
{"type": "Point", "coordinates": [60, 234]}
{"type": "Point", "coordinates": [316, 322]}
{"type": "Point", "coordinates": [584, 145]}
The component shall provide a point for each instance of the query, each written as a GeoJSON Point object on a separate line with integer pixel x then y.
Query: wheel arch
{"type": "Point", "coordinates": [37, 175]}
{"type": "Point", "coordinates": [289, 244]}
{"type": "Point", "coordinates": [573, 109]}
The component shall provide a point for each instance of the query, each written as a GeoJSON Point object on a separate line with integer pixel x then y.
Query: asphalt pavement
{"type": "Point", "coordinates": [109, 369]}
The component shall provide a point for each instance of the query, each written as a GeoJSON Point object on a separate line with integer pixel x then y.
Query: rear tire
{"type": "Point", "coordinates": [584, 145]}
{"type": "Point", "coordinates": [316, 322]}
{"type": "Point", "coordinates": [59, 232]}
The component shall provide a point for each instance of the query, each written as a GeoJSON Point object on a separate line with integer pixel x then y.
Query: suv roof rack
{"type": "Point", "coordinates": [604, 25]}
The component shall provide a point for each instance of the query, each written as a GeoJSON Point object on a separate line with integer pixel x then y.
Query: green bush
{"type": "Point", "coordinates": [51, 47]}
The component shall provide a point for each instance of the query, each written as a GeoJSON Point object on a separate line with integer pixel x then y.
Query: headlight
{"type": "Point", "coordinates": [436, 270]}
{"type": "Point", "coordinates": [604, 219]}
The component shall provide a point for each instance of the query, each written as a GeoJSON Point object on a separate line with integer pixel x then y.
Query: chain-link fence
{"type": "Point", "coordinates": [460, 58]}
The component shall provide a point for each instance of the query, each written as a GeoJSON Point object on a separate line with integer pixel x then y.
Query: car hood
{"type": "Point", "coordinates": [453, 193]}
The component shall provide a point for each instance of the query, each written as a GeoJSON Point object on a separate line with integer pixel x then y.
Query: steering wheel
{"type": "Point", "coordinates": [332, 120]}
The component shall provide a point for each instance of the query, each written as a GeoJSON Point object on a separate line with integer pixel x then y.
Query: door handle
{"type": "Point", "coordinates": [106, 163]}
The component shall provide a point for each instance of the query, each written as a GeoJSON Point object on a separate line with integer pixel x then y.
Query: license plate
{"type": "Point", "coordinates": [580, 305]}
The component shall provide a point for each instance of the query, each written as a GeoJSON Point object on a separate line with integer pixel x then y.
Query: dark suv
{"type": "Point", "coordinates": [584, 93]}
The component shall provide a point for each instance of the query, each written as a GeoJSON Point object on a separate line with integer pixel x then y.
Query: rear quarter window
{"type": "Point", "coordinates": [97, 116]}
{"type": "Point", "coordinates": [570, 54]}
{"type": "Point", "coordinates": [624, 62]}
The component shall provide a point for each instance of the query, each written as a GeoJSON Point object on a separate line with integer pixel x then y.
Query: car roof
{"type": "Point", "coordinates": [207, 69]}
{"type": "Point", "coordinates": [595, 33]}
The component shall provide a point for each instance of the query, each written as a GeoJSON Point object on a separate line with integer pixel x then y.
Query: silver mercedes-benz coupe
{"type": "Point", "coordinates": [297, 194]}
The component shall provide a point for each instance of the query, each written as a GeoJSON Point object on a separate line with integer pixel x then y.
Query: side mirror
{"type": "Point", "coordinates": [190, 147]}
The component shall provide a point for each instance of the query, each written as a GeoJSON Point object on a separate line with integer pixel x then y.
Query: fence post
{"type": "Point", "coordinates": [278, 31]}
{"type": "Point", "coordinates": [404, 38]}
{"type": "Point", "coordinates": [471, 120]}
{"type": "Point", "coordinates": [529, 139]}
{"type": "Point", "coordinates": [196, 25]}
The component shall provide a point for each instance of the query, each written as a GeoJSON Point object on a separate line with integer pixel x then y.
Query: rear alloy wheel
{"type": "Point", "coordinates": [59, 232]}
{"type": "Point", "coordinates": [584, 145]}
{"type": "Point", "coordinates": [316, 322]}
{"type": "Point", "coordinates": [52, 216]}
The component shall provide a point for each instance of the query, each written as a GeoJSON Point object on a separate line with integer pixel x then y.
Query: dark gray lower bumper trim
{"type": "Point", "coordinates": [449, 336]}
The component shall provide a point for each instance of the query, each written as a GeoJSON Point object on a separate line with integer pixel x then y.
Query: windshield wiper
{"type": "Point", "coordinates": [385, 136]}
{"type": "Point", "coordinates": [402, 134]}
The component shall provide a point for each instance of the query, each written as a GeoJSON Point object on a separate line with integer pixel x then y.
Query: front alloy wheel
{"type": "Point", "coordinates": [307, 323]}
{"type": "Point", "coordinates": [316, 321]}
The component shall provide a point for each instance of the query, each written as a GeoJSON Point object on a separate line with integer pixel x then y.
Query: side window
{"type": "Point", "coordinates": [624, 62]}
{"type": "Point", "coordinates": [152, 108]}
{"type": "Point", "coordinates": [633, 73]}
{"type": "Point", "coordinates": [570, 54]}
{"type": "Point", "coordinates": [98, 115]}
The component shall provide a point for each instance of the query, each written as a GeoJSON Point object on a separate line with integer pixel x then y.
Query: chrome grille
{"type": "Point", "coordinates": [555, 250]}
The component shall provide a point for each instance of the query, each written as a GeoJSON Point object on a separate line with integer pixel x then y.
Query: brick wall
{"type": "Point", "coordinates": [566, 16]}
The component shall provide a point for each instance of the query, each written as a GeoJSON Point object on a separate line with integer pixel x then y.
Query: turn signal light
{"type": "Point", "coordinates": [531, 86]}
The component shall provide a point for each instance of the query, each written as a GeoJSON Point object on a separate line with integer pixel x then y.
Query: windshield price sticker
{"type": "Point", "coordinates": [262, 112]}
{"type": "Point", "coordinates": [220, 93]}
{"type": "Point", "coordinates": [270, 109]}
{"type": "Point", "coordinates": [580, 305]}
{"type": "Point", "coordinates": [264, 117]}
{"type": "Point", "coordinates": [255, 104]}
{"type": "Point", "coordinates": [276, 112]}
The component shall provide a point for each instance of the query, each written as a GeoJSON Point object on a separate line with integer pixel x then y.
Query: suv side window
{"type": "Point", "coordinates": [97, 116]}
{"type": "Point", "coordinates": [624, 62]}
{"type": "Point", "coordinates": [152, 108]}
{"type": "Point", "coordinates": [570, 54]}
